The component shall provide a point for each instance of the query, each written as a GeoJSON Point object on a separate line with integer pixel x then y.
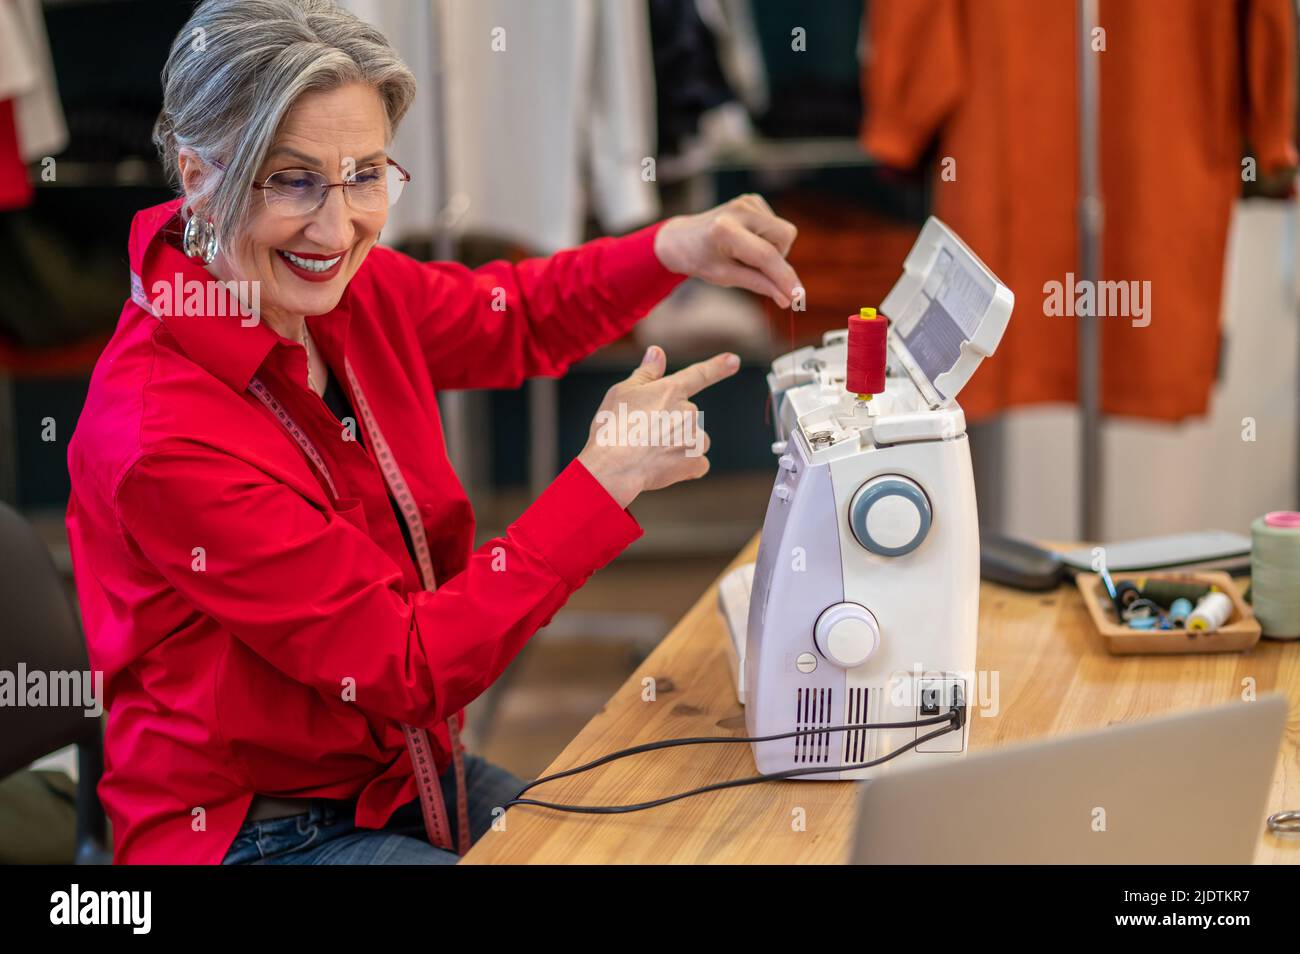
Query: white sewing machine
{"type": "Point", "coordinates": [864, 602]}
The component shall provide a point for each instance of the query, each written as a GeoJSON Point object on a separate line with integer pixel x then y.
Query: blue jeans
{"type": "Point", "coordinates": [327, 835]}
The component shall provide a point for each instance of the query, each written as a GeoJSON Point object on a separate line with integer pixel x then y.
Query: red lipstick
{"type": "Point", "coordinates": [307, 274]}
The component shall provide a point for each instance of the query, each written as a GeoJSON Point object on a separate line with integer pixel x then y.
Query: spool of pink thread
{"type": "Point", "coordinates": [1286, 519]}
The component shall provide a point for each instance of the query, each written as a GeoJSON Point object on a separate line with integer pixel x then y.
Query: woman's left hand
{"type": "Point", "coordinates": [741, 243]}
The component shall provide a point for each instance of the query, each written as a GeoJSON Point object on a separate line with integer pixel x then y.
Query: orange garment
{"type": "Point", "coordinates": [1187, 88]}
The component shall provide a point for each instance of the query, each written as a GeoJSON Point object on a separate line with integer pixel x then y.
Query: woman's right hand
{"type": "Point", "coordinates": [648, 434]}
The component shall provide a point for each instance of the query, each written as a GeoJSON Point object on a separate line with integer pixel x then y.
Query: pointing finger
{"type": "Point", "coordinates": [695, 378]}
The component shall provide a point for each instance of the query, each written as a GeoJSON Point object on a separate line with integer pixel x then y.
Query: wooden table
{"type": "Point", "coordinates": [1055, 677]}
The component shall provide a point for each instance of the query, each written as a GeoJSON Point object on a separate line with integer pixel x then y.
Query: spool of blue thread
{"type": "Point", "coordinates": [1143, 622]}
{"type": "Point", "coordinates": [1179, 610]}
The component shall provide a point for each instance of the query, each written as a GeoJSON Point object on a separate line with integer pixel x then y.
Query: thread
{"type": "Point", "coordinates": [1179, 610]}
{"type": "Point", "coordinates": [1127, 593]}
{"type": "Point", "coordinates": [1275, 573]}
{"type": "Point", "coordinates": [1164, 592]}
{"type": "Point", "coordinates": [866, 353]}
{"type": "Point", "coordinates": [1211, 612]}
{"type": "Point", "coordinates": [1142, 609]}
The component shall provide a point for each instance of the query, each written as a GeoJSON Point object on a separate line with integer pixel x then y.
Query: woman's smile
{"type": "Point", "coordinates": [312, 266]}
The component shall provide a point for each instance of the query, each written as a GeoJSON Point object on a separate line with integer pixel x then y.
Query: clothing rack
{"type": "Point", "coordinates": [1090, 215]}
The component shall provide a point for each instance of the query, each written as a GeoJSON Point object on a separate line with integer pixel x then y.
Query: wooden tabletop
{"type": "Point", "coordinates": [1055, 677]}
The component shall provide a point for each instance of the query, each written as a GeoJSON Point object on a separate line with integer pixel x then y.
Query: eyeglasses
{"type": "Point", "coordinates": [292, 192]}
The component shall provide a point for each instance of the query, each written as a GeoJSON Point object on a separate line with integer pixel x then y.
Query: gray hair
{"type": "Point", "coordinates": [237, 67]}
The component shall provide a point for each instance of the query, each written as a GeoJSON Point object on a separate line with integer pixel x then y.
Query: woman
{"type": "Point", "coordinates": [272, 552]}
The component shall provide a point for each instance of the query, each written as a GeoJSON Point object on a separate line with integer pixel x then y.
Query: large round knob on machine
{"type": "Point", "coordinates": [890, 515]}
{"type": "Point", "coordinates": [847, 634]}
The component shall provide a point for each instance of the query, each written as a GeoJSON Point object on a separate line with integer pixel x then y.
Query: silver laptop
{"type": "Point", "coordinates": [1188, 788]}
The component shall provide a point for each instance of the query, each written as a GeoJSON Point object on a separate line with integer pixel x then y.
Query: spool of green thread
{"type": "Point", "coordinates": [1164, 592]}
{"type": "Point", "coordinates": [1275, 573]}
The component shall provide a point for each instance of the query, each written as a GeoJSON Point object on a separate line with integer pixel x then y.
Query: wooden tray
{"type": "Point", "coordinates": [1239, 633]}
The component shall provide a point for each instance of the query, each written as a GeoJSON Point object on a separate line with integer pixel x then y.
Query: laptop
{"type": "Point", "coordinates": [1188, 788]}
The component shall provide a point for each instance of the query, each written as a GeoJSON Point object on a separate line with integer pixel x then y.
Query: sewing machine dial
{"type": "Point", "coordinates": [847, 634]}
{"type": "Point", "coordinates": [890, 515]}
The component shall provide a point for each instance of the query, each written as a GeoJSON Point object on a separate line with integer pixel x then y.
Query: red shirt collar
{"type": "Point", "coordinates": [232, 347]}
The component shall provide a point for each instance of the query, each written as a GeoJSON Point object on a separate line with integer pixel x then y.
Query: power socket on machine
{"type": "Point", "coordinates": [937, 695]}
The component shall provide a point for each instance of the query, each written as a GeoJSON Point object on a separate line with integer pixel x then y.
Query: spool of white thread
{"type": "Point", "coordinates": [1211, 612]}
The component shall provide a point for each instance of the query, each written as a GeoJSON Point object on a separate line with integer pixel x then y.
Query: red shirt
{"type": "Point", "coordinates": [262, 627]}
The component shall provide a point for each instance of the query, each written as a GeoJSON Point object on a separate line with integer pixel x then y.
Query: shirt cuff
{"type": "Point", "coordinates": [634, 270]}
{"type": "Point", "coordinates": [895, 144]}
{"type": "Point", "coordinates": [576, 525]}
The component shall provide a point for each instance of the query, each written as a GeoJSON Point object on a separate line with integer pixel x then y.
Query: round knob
{"type": "Point", "coordinates": [847, 634]}
{"type": "Point", "coordinates": [890, 515]}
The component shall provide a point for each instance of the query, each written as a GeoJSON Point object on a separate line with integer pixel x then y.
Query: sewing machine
{"type": "Point", "coordinates": [864, 602]}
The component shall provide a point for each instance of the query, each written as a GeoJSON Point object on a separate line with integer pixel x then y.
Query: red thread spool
{"type": "Point", "coordinates": [866, 360]}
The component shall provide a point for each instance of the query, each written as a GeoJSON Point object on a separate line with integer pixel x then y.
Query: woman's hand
{"type": "Point", "coordinates": [741, 243]}
{"type": "Point", "coordinates": [647, 433]}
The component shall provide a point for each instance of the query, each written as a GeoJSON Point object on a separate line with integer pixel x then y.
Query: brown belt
{"type": "Point", "coordinates": [265, 807]}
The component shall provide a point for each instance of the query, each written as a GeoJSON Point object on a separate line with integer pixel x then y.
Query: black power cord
{"type": "Point", "coordinates": [955, 720]}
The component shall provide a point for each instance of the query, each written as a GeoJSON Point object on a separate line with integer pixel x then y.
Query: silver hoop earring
{"type": "Point", "coordinates": [200, 239]}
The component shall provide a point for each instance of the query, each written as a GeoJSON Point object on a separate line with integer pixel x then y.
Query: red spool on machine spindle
{"type": "Point", "coordinates": [867, 353]}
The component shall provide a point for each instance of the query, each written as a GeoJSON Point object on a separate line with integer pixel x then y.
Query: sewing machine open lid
{"type": "Point", "coordinates": [947, 313]}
